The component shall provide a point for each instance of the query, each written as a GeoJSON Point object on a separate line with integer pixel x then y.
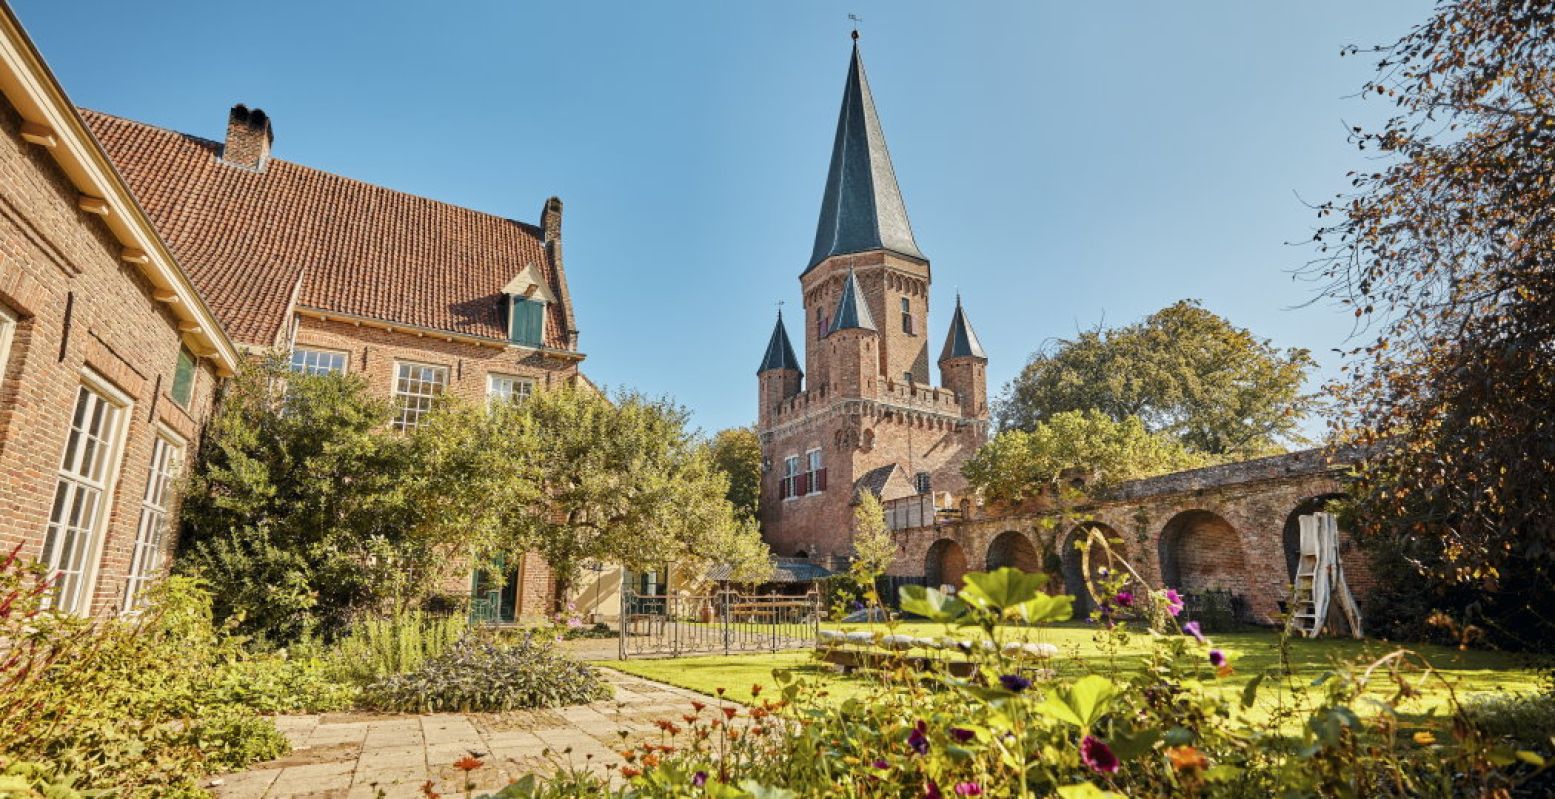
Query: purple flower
{"type": "Point", "coordinates": [1192, 628]}
{"type": "Point", "coordinates": [961, 734]}
{"type": "Point", "coordinates": [968, 789]}
{"type": "Point", "coordinates": [931, 791]}
{"type": "Point", "coordinates": [1173, 602]}
{"type": "Point", "coordinates": [699, 779]}
{"type": "Point", "coordinates": [1098, 755]}
{"type": "Point", "coordinates": [1014, 683]}
{"type": "Point", "coordinates": [918, 739]}
{"type": "Point", "coordinates": [1217, 658]}
{"type": "Point", "coordinates": [1124, 599]}
{"type": "Point", "coordinates": [880, 763]}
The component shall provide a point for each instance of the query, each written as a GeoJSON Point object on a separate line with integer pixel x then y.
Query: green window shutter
{"type": "Point", "coordinates": [526, 324]}
{"type": "Point", "coordinates": [183, 378]}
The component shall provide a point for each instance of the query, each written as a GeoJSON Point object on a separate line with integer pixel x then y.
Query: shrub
{"type": "Point", "coordinates": [375, 647]}
{"type": "Point", "coordinates": [122, 706]}
{"type": "Point", "coordinates": [1528, 721]}
{"type": "Point", "coordinates": [478, 675]}
{"type": "Point", "coordinates": [283, 683]}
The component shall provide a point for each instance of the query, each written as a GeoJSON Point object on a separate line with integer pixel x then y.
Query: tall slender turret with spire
{"type": "Point", "coordinates": [870, 418]}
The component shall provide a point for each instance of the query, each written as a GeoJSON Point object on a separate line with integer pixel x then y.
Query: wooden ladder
{"type": "Point", "coordinates": [1309, 601]}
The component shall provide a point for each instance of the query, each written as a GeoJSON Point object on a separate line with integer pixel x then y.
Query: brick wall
{"type": "Point", "coordinates": [1222, 528]}
{"type": "Point", "coordinates": [373, 353]}
{"type": "Point", "coordinates": [79, 308]}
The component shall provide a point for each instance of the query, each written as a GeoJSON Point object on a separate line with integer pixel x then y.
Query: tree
{"type": "Point", "coordinates": [294, 513]}
{"type": "Point", "coordinates": [873, 548]}
{"type": "Point", "coordinates": [1183, 371]}
{"type": "Point", "coordinates": [737, 453]}
{"type": "Point", "coordinates": [622, 481]}
{"type": "Point", "coordinates": [1090, 445]}
{"type": "Point", "coordinates": [1446, 248]}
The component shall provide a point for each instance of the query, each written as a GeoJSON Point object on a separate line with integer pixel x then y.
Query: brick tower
{"type": "Point", "coordinates": [870, 417]}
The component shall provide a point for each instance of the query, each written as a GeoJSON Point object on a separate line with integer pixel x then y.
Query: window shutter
{"type": "Point", "coordinates": [183, 378]}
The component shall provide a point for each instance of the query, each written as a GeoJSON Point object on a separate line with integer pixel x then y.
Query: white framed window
{"type": "Point", "coordinates": [789, 485]}
{"type": "Point", "coordinates": [7, 335]}
{"type": "Point", "coordinates": [502, 388]}
{"type": "Point", "coordinates": [416, 386]}
{"type": "Point", "coordinates": [318, 362]}
{"type": "Point", "coordinates": [82, 493]}
{"type": "Point", "coordinates": [816, 474]}
{"type": "Point", "coordinates": [167, 457]}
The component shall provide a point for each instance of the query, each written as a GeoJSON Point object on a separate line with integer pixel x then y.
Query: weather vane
{"type": "Point", "coordinates": [856, 20]}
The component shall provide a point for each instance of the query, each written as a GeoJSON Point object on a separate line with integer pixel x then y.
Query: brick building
{"type": "Point", "coordinates": [869, 417]}
{"type": "Point", "coordinates": [418, 296]}
{"type": "Point", "coordinates": [109, 357]}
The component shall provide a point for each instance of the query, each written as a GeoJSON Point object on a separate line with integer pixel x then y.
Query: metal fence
{"type": "Point", "coordinates": [654, 625]}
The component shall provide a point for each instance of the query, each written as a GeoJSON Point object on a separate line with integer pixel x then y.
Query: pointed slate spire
{"type": "Point", "coordinates": [852, 311]}
{"type": "Point", "coordinates": [962, 341]}
{"type": "Point", "coordinates": [780, 353]}
{"type": "Point", "coordinates": [862, 208]}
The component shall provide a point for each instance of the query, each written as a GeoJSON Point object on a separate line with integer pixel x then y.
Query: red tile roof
{"type": "Point", "coordinates": [246, 238]}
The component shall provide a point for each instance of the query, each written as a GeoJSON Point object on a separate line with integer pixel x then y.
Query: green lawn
{"type": "Point", "coordinates": [1080, 650]}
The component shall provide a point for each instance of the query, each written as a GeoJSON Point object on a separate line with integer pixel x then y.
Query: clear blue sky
{"type": "Point", "coordinates": [1062, 162]}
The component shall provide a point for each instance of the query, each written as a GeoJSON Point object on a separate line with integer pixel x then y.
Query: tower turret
{"type": "Point", "coordinates": [963, 365]}
{"type": "Point", "coordinates": [778, 376]}
{"type": "Point", "coordinates": [850, 342]}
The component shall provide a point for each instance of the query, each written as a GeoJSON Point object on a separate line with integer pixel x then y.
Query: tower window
{"type": "Point", "coordinates": [907, 316]}
{"type": "Point", "coordinates": [788, 486]}
{"type": "Point", "coordinates": [923, 482]}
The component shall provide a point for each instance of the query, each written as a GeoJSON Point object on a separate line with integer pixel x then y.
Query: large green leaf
{"type": "Point", "coordinates": [1082, 703]}
{"type": "Point", "coordinates": [1002, 588]}
{"type": "Point", "coordinates": [1042, 609]}
{"type": "Point", "coordinates": [931, 603]}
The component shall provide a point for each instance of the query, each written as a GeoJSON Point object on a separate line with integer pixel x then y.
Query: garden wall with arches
{"type": "Point", "coordinates": [1230, 528]}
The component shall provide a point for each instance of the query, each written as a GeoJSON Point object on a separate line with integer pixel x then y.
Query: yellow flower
{"type": "Point", "coordinates": [1424, 738]}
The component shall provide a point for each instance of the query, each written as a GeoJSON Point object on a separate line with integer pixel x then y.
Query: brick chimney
{"type": "Point", "coordinates": [248, 138]}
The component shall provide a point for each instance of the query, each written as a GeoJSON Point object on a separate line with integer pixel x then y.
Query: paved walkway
{"type": "Point", "coordinates": [358, 755]}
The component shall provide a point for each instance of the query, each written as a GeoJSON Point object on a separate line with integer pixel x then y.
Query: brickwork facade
{"type": "Point", "coordinates": [82, 316]}
{"type": "Point", "coordinates": [1226, 527]}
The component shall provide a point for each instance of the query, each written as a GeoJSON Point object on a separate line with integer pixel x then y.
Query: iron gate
{"type": "Point", "coordinates": [719, 621]}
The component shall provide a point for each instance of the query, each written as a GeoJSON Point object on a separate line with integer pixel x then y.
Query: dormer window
{"type": "Point", "coordinates": [526, 321]}
{"type": "Point", "coordinates": [527, 296]}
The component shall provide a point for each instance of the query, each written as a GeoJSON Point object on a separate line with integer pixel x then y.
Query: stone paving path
{"type": "Point", "coordinates": [359, 755]}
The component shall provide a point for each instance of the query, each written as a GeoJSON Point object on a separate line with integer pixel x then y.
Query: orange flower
{"type": "Point", "coordinates": [758, 712]}
{"type": "Point", "coordinates": [426, 791]}
{"type": "Point", "coordinates": [697, 705]}
{"type": "Point", "coordinates": [629, 755]}
{"type": "Point", "coordinates": [688, 718]}
{"type": "Point", "coordinates": [1186, 758]}
{"type": "Point", "coordinates": [730, 712]}
{"type": "Point", "coordinates": [650, 760]}
{"type": "Point", "coordinates": [468, 763]}
{"type": "Point", "coordinates": [629, 772]}
{"type": "Point", "coordinates": [734, 733]}
{"type": "Point", "coordinates": [755, 690]}
{"type": "Point", "coordinates": [1225, 671]}
{"type": "Point", "coordinates": [720, 691]}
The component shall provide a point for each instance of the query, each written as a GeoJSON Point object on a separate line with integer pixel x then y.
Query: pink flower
{"type": "Point", "coordinates": [968, 789]}
{"type": "Point", "coordinates": [1192, 628]}
{"type": "Point", "coordinates": [1124, 599]}
{"type": "Point", "coordinates": [1173, 602]}
{"type": "Point", "coordinates": [931, 791]}
{"type": "Point", "coordinates": [1096, 754]}
{"type": "Point", "coordinates": [1217, 658]}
